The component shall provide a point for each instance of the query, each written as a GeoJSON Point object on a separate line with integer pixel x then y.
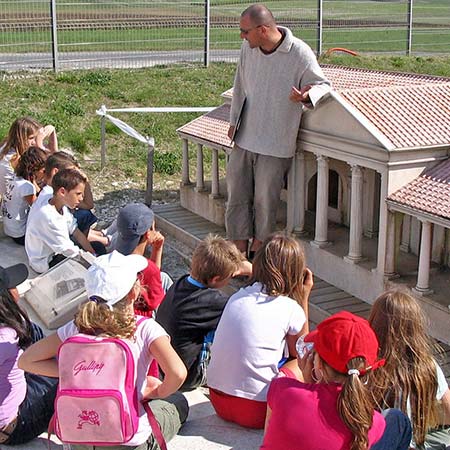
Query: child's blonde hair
{"type": "Point", "coordinates": [96, 318]}
{"type": "Point", "coordinates": [279, 265]}
{"type": "Point", "coordinates": [21, 130]}
{"type": "Point", "coordinates": [410, 369]}
{"type": "Point", "coordinates": [215, 257]}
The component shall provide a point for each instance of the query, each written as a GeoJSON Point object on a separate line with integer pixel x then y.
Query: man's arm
{"type": "Point", "coordinates": [238, 96]}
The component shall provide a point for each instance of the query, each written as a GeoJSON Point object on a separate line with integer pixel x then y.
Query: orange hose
{"type": "Point", "coordinates": [340, 49]}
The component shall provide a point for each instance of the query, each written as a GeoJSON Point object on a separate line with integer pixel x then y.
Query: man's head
{"type": "Point", "coordinates": [68, 187]}
{"type": "Point", "coordinates": [214, 261]}
{"type": "Point", "coordinates": [256, 25]}
{"type": "Point", "coordinates": [134, 222]}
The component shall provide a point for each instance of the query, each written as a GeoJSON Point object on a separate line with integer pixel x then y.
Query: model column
{"type": "Point", "coordinates": [356, 219]}
{"type": "Point", "coordinates": [321, 234]}
{"type": "Point", "coordinates": [423, 277]}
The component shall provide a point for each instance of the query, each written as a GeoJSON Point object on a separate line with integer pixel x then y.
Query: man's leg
{"type": "Point", "coordinates": [270, 175]}
{"type": "Point", "coordinates": [239, 214]}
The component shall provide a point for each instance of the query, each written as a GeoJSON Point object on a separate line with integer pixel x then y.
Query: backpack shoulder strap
{"type": "Point", "coordinates": [140, 320]}
{"type": "Point", "coordinates": [156, 429]}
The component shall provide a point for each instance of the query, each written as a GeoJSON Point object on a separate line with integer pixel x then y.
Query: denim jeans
{"type": "Point", "coordinates": [85, 219]}
{"type": "Point", "coordinates": [397, 434]}
{"type": "Point", "coordinates": [36, 410]}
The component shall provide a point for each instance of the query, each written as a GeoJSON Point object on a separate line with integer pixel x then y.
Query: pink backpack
{"type": "Point", "coordinates": [97, 402]}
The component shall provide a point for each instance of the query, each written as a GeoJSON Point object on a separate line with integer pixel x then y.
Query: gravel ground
{"type": "Point", "coordinates": [114, 195]}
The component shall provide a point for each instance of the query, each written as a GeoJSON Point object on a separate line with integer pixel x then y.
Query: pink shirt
{"type": "Point", "coordinates": [305, 417]}
{"type": "Point", "coordinates": [13, 386]}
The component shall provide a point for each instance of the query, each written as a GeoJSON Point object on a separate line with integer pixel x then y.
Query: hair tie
{"type": "Point", "coordinates": [99, 300]}
{"type": "Point", "coordinates": [354, 372]}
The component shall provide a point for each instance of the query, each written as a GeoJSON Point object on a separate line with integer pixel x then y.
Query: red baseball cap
{"type": "Point", "coordinates": [342, 337]}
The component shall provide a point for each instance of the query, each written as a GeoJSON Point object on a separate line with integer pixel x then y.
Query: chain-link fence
{"type": "Point", "coordinates": [64, 34]}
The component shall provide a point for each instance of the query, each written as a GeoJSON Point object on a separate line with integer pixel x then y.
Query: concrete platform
{"type": "Point", "coordinates": [203, 429]}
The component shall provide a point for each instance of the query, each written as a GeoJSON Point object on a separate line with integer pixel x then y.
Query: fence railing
{"type": "Point", "coordinates": [67, 34]}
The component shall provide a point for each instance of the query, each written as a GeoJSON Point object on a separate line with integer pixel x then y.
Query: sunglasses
{"type": "Point", "coordinates": [250, 29]}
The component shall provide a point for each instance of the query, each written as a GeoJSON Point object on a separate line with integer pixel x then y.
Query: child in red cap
{"type": "Point", "coordinates": [333, 409]}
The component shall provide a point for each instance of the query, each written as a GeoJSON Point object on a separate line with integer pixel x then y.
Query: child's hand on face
{"type": "Point", "coordinates": [44, 133]}
{"type": "Point", "coordinates": [155, 239]}
{"type": "Point", "coordinates": [151, 390]}
{"type": "Point", "coordinates": [245, 269]}
{"type": "Point", "coordinates": [306, 365]}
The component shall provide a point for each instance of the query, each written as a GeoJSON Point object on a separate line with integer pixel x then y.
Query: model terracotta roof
{"type": "Point", "coordinates": [429, 193]}
{"type": "Point", "coordinates": [408, 116]}
{"type": "Point", "coordinates": [211, 127]}
{"type": "Point", "coordinates": [408, 110]}
{"type": "Point", "coordinates": [344, 78]}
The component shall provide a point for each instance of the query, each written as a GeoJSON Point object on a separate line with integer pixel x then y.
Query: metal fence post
{"type": "Point", "coordinates": [149, 190]}
{"type": "Point", "coordinates": [206, 55]}
{"type": "Point", "coordinates": [410, 28]}
{"type": "Point", "coordinates": [103, 142]}
{"type": "Point", "coordinates": [55, 56]}
{"type": "Point", "coordinates": [319, 26]}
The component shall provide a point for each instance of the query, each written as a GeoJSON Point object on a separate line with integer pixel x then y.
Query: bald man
{"type": "Point", "coordinates": [277, 77]}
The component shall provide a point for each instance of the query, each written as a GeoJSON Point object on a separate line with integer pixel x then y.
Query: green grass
{"type": "Point", "coordinates": [69, 101]}
{"type": "Point", "coordinates": [363, 39]}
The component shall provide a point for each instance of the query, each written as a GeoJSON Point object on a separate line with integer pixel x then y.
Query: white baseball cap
{"type": "Point", "coordinates": [112, 276]}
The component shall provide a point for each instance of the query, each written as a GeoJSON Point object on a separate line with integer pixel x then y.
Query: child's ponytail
{"type": "Point", "coordinates": [355, 406]}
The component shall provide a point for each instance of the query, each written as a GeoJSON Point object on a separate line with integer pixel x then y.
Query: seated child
{"type": "Point", "coordinates": [26, 400]}
{"type": "Point", "coordinates": [112, 287]}
{"type": "Point", "coordinates": [21, 192]}
{"type": "Point", "coordinates": [24, 133]}
{"type": "Point", "coordinates": [47, 239]}
{"type": "Point", "coordinates": [411, 379]}
{"type": "Point", "coordinates": [136, 231]}
{"type": "Point", "coordinates": [193, 305]}
{"type": "Point", "coordinates": [85, 218]}
{"type": "Point", "coordinates": [258, 331]}
{"type": "Point", "coordinates": [332, 408]}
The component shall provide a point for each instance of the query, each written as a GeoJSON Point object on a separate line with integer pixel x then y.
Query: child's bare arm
{"type": "Point", "coordinates": [174, 370]}
{"type": "Point", "coordinates": [156, 240]}
{"type": "Point", "coordinates": [82, 240]}
{"type": "Point", "coordinates": [40, 358]}
{"type": "Point", "coordinates": [88, 199]}
{"type": "Point", "coordinates": [47, 133]}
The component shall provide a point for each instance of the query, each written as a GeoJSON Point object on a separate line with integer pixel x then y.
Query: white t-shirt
{"type": "Point", "coordinates": [48, 233]}
{"type": "Point", "coordinates": [6, 170]}
{"type": "Point", "coordinates": [250, 341]}
{"type": "Point", "coordinates": [14, 206]}
{"type": "Point", "coordinates": [43, 197]}
{"type": "Point", "coordinates": [147, 331]}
